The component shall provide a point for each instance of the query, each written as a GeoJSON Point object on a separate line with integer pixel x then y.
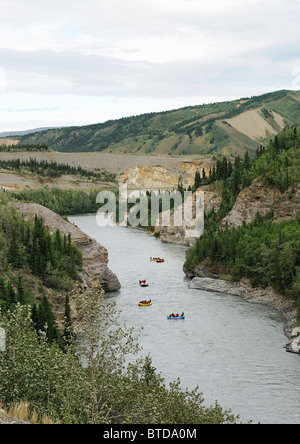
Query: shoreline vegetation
{"type": "Point", "coordinates": [264, 253]}
{"type": "Point", "coordinates": [42, 367]}
{"type": "Point", "coordinates": [258, 295]}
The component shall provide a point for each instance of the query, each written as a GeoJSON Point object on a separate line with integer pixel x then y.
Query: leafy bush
{"type": "Point", "coordinates": [56, 383]}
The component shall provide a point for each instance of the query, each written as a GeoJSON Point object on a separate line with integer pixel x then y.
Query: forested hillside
{"type": "Point", "coordinates": [266, 252]}
{"type": "Point", "coordinates": [42, 367]}
{"type": "Point", "coordinates": [226, 128]}
{"type": "Point", "coordinates": [34, 264]}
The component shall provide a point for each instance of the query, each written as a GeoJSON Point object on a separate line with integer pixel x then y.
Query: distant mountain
{"type": "Point", "coordinates": [217, 128]}
{"type": "Point", "coordinates": [23, 133]}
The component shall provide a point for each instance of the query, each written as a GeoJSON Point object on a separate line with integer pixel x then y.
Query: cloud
{"type": "Point", "coordinates": [170, 51]}
{"type": "Point", "coordinates": [69, 72]}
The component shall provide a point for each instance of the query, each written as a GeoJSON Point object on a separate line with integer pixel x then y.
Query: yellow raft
{"type": "Point", "coordinates": [145, 304]}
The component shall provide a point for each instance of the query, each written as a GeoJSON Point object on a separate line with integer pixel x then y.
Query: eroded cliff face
{"type": "Point", "coordinates": [160, 177]}
{"type": "Point", "coordinates": [288, 205]}
{"type": "Point", "coordinates": [179, 235]}
{"type": "Point", "coordinates": [259, 198]}
{"type": "Point", "coordinates": [96, 275]}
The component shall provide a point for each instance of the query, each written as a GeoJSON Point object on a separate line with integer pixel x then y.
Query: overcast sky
{"type": "Point", "coordinates": [69, 63]}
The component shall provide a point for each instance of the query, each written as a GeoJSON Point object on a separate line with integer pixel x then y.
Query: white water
{"type": "Point", "coordinates": [231, 348]}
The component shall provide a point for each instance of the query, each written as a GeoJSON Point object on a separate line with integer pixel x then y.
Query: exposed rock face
{"type": "Point", "coordinates": [150, 177]}
{"type": "Point", "coordinates": [287, 207]}
{"type": "Point", "coordinates": [178, 235]}
{"type": "Point", "coordinates": [5, 419]}
{"type": "Point", "coordinates": [214, 285]}
{"type": "Point", "coordinates": [293, 346]}
{"type": "Point", "coordinates": [253, 124]}
{"type": "Point", "coordinates": [256, 199]}
{"type": "Point", "coordinates": [259, 198]}
{"type": "Point", "coordinates": [96, 273]}
{"type": "Point", "coordinates": [266, 296]}
{"type": "Point", "coordinates": [157, 177]}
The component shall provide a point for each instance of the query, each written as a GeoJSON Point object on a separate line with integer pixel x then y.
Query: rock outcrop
{"type": "Point", "coordinates": [7, 420]}
{"type": "Point", "coordinates": [259, 198]}
{"type": "Point", "coordinates": [171, 233]}
{"type": "Point", "coordinates": [179, 235]}
{"type": "Point", "coordinates": [262, 296]}
{"type": "Point", "coordinates": [288, 206]}
{"type": "Point", "coordinates": [293, 346]}
{"type": "Point", "coordinates": [256, 199]}
{"type": "Point", "coordinates": [96, 274]}
{"type": "Point", "coordinates": [159, 177]}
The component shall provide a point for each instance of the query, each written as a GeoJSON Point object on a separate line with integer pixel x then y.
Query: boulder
{"type": "Point", "coordinates": [293, 346]}
{"type": "Point", "coordinates": [213, 285]}
{"type": "Point", "coordinates": [296, 332]}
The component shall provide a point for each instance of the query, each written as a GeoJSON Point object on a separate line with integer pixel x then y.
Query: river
{"type": "Point", "coordinates": [232, 349]}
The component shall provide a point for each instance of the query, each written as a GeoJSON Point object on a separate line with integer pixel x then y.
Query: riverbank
{"type": "Point", "coordinates": [262, 296]}
{"type": "Point", "coordinates": [96, 274]}
{"type": "Point", "coordinates": [234, 348]}
{"type": "Point", "coordinates": [267, 296]}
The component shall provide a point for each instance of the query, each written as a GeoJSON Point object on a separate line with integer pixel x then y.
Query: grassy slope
{"type": "Point", "coordinates": [191, 130]}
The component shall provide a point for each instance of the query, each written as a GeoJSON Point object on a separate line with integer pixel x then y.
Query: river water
{"type": "Point", "coordinates": [232, 349]}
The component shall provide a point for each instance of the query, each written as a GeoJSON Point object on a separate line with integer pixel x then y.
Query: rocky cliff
{"type": "Point", "coordinates": [162, 177]}
{"type": "Point", "coordinates": [96, 274]}
{"type": "Point", "coordinates": [178, 235]}
{"type": "Point", "coordinates": [259, 198]}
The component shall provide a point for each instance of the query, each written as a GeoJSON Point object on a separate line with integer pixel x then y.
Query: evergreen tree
{"type": "Point", "coordinates": [20, 291]}
{"type": "Point", "coordinates": [46, 320]}
{"type": "Point", "coordinates": [197, 181]}
{"type": "Point", "coordinates": [11, 294]}
{"type": "Point", "coordinates": [247, 162]}
{"type": "Point", "coordinates": [68, 332]}
{"type": "Point", "coordinates": [14, 256]}
{"type": "Point", "coordinates": [4, 299]}
{"type": "Point", "coordinates": [35, 316]}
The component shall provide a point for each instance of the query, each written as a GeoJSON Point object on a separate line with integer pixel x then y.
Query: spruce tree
{"type": "Point", "coordinates": [68, 332]}
{"type": "Point", "coordinates": [21, 291]}
{"type": "Point", "coordinates": [4, 300]}
{"type": "Point", "coordinates": [11, 294]}
{"type": "Point", "coordinates": [34, 316]}
{"type": "Point", "coordinates": [14, 256]}
{"type": "Point", "coordinates": [46, 320]}
{"type": "Point", "coordinates": [247, 161]}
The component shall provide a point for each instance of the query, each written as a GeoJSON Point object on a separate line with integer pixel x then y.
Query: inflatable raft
{"type": "Point", "coordinates": [143, 283]}
{"type": "Point", "coordinates": [176, 317]}
{"type": "Point", "coordinates": [145, 303]}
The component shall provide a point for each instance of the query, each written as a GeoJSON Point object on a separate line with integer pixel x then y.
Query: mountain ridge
{"type": "Point", "coordinates": [24, 132]}
{"type": "Point", "coordinates": [227, 128]}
